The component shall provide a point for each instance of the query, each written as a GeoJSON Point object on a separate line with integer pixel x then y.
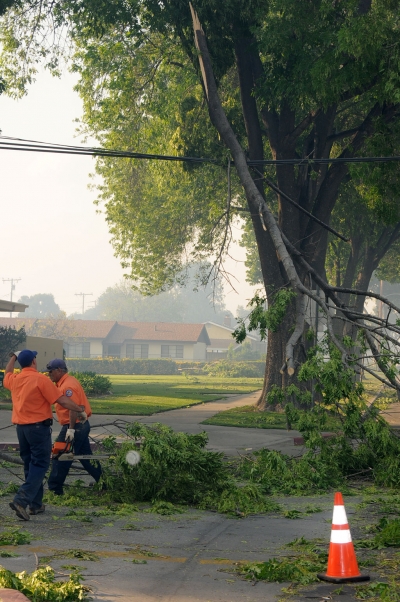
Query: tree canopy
{"type": "Point", "coordinates": [180, 304]}
{"type": "Point", "coordinates": [41, 305]}
{"type": "Point", "coordinates": [282, 79]}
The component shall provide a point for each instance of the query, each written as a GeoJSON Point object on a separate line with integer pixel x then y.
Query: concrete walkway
{"type": "Point", "coordinates": [230, 440]}
{"type": "Point", "coordinates": [392, 415]}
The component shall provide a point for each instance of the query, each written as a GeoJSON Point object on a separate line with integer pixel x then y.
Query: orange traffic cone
{"type": "Point", "coordinates": [342, 561]}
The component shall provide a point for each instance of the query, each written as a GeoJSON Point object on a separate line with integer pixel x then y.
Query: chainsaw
{"type": "Point", "coordinates": [64, 452]}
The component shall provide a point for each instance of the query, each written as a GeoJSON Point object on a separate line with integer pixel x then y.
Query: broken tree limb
{"type": "Point", "coordinates": [297, 334]}
{"type": "Point", "coordinates": [13, 459]}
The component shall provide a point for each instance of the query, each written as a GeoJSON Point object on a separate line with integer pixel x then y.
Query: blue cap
{"type": "Point", "coordinates": [26, 357]}
{"type": "Point", "coordinates": [56, 363]}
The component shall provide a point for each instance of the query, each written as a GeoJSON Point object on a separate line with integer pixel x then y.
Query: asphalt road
{"type": "Point", "coordinates": [189, 557]}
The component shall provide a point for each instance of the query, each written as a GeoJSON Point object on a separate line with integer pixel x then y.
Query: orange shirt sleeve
{"type": "Point", "coordinates": [72, 392]}
{"type": "Point", "coordinates": [49, 390]}
{"type": "Point", "coordinates": [69, 390]}
{"type": "Point", "coordinates": [8, 379]}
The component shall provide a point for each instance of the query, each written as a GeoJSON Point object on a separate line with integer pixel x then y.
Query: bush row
{"type": "Point", "coordinates": [224, 368]}
{"type": "Point", "coordinates": [109, 365]}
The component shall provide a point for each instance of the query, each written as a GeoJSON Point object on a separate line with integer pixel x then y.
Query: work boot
{"type": "Point", "coordinates": [37, 510]}
{"type": "Point", "coordinates": [20, 511]}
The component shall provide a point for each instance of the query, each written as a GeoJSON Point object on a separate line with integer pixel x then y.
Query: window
{"type": "Point", "coordinates": [114, 351]}
{"type": "Point", "coordinates": [137, 351]}
{"type": "Point", "coordinates": [175, 351]}
{"type": "Point", "coordinates": [79, 350]}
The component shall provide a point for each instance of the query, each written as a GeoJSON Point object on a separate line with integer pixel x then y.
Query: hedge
{"type": "Point", "coordinates": [109, 365]}
{"type": "Point", "coordinates": [222, 368]}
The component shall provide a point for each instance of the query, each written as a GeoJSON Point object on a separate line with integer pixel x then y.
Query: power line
{"type": "Point", "coordinates": [43, 147]}
{"type": "Point", "coordinates": [20, 144]}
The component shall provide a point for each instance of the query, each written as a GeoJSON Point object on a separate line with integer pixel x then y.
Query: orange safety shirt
{"type": "Point", "coordinates": [72, 388]}
{"type": "Point", "coordinates": [32, 395]}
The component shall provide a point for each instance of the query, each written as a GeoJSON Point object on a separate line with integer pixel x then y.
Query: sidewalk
{"type": "Point", "coordinates": [230, 440]}
{"type": "Point", "coordinates": [392, 415]}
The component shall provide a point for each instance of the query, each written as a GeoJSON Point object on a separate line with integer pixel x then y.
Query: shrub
{"type": "Point", "coordinates": [92, 383]}
{"type": "Point", "coordinates": [231, 369]}
{"type": "Point", "coordinates": [111, 365]}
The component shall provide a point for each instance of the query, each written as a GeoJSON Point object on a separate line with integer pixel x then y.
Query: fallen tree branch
{"type": "Point", "coordinates": [12, 459]}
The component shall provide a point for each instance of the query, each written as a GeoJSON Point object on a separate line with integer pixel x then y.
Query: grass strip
{"type": "Point", "coordinates": [251, 417]}
{"type": "Point", "coordinates": [147, 395]}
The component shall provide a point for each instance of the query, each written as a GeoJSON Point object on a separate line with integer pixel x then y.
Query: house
{"type": "Point", "coordinates": [108, 338]}
{"type": "Point", "coordinates": [221, 339]}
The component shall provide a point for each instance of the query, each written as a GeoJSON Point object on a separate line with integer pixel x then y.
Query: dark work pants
{"type": "Point", "coordinates": [59, 470]}
{"type": "Point", "coordinates": [34, 449]}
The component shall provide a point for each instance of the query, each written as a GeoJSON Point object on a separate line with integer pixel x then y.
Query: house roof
{"type": "Point", "coordinates": [120, 333]}
{"type": "Point", "coordinates": [111, 331]}
{"type": "Point", "coordinates": [166, 331]}
{"type": "Point", "coordinates": [84, 329]}
{"type": "Point", "coordinates": [92, 329]}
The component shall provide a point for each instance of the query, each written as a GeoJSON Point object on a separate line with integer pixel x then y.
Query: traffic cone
{"type": "Point", "coordinates": [342, 561]}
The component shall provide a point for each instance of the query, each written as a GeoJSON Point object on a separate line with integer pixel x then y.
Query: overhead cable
{"type": "Point", "coordinates": [42, 147]}
{"type": "Point", "coordinates": [19, 144]}
{"type": "Point", "coordinates": [300, 208]}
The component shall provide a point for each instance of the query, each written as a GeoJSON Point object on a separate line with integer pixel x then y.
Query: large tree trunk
{"type": "Point", "coordinates": [313, 188]}
{"type": "Point", "coordinates": [273, 275]}
{"type": "Point", "coordinates": [275, 359]}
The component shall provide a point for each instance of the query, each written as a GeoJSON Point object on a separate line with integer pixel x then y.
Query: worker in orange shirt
{"type": "Point", "coordinates": [71, 430]}
{"type": "Point", "coordinates": [32, 397]}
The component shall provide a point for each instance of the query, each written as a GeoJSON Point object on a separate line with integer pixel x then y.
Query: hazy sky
{"type": "Point", "coordinates": [51, 236]}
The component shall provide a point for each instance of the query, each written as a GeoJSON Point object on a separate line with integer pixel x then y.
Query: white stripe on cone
{"type": "Point", "coordinates": [338, 536]}
{"type": "Point", "coordinates": [339, 516]}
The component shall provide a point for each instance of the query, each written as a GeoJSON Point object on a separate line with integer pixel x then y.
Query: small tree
{"type": "Point", "coordinates": [10, 340]}
{"type": "Point", "coordinates": [41, 305]}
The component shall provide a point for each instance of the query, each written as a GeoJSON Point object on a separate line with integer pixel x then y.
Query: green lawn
{"type": "Point", "coordinates": [146, 395]}
{"type": "Point", "coordinates": [250, 417]}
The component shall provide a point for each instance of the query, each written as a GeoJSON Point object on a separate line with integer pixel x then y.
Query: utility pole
{"type": "Point", "coordinates": [12, 280]}
{"type": "Point", "coordinates": [83, 295]}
